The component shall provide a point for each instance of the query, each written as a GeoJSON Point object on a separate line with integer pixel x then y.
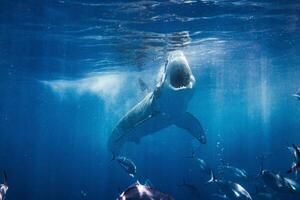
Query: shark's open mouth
{"type": "Point", "coordinates": [179, 76]}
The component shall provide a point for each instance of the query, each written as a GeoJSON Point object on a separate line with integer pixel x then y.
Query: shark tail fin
{"type": "Point", "coordinates": [5, 177]}
{"type": "Point", "coordinates": [212, 177]}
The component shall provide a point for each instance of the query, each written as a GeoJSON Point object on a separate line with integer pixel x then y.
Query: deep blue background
{"type": "Point", "coordinates": [244, 55]}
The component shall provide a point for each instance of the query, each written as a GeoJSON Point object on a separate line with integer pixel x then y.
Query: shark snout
{"type": "Point", "coordinates": [179, 74]}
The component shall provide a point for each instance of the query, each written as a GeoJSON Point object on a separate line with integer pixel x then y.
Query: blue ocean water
{"type": "Point", "coordinates": [70, 70]}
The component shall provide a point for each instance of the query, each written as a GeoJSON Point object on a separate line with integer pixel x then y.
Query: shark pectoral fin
{"type": "Point", "coordinates": [191, 124]}
{"type": "Point", "coordinates": [143, 86]}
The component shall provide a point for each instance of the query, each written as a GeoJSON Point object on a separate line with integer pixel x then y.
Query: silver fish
{"type": "Point", "coordinates": [127, 164]}
{"type": "Point", "coordinates": [297, 94]}
{"type": "Point", "coordinates": [230, 190]}
{"type": "Point", "coordinates": [296, 165]}
{"type": "Point", "coordinates": [200, 163]}
{"type": "Point", "coordinates": [233, 172]}
{"type": "Point", "coordinates": [279, 183]}
{"type": "Point", "coordinates": [138, 191]}
{"type": "Point", "coordinates": [3, 187]}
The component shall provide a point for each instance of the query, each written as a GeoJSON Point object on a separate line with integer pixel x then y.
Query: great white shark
{"type": "Point", "coordinates": [166, 105]}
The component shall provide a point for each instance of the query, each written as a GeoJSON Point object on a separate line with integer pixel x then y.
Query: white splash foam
{"type": "Point", "coordinates": [103, 85]}
{"type": "Point", "coordinates": [113, 88]}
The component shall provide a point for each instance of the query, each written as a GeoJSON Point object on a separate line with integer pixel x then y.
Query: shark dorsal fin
{"type": "Point", "coordinates": [143, 86]}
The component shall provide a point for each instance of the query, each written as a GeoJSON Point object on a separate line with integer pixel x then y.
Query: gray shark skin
{"type": "Point", "coordinates": [163, 107]}
{"type": "Point", "coordinates": [3, 187]}
{"type": "Point", "coordinates": [138, 191]}
{"type": "Point", "coordinates": [230, 190]}
{"type": "Point", "coordinates": [127, 164]}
